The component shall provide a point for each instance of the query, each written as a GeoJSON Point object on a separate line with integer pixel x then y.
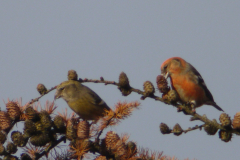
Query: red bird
{"type": "Point", "coordinates": [187, 82]}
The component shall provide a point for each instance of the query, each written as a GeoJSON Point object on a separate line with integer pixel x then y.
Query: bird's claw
{"type": "Point", "coordinates": [179, 109]}
{"type": "Point", "coordinates": [192, 104]}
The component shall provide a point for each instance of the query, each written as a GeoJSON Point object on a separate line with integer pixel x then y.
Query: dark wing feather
{"type": "Point", "coordinates": [197, 78]}
{"type": "Point", "coordinates": [92, 96]}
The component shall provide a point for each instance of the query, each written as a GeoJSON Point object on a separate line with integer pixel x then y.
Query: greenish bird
{"type": "Point", "coordinates": [82, 100]}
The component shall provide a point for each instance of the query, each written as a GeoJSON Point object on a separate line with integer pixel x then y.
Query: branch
{"type": "Point", "coordinates": [52, 145]}
{"type": "Point", "coordinates": [186, 109]}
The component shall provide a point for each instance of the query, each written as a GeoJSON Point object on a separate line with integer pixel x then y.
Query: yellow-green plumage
{"type": "Point", "coordinates": [82, 100]}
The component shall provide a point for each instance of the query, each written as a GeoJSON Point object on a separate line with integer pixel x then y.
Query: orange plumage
{"type": "Point", "coordinates": [187, 82]}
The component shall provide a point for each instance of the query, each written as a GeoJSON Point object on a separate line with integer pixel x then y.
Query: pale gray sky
{"type": "Point", "coordinates": [41, 40]}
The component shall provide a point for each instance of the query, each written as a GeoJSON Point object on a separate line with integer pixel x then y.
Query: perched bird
{"type": "Point", "coordinates": [82, 100]}
{"type": "Point", "coordinates": [187, 82]}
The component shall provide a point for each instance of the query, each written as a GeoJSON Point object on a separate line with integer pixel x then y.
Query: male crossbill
{"type": "Point", "coordinates": [82, 100]}
{"type": "Point", "coordinates": [187, 82]}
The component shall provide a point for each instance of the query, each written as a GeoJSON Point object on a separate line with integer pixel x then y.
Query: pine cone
{"type": "Point", "coordinates": [111, 139]}
{"type": "Point", "coordinates": [45, 119]}
{"type": "Point", "coordinates": [59, 124]}
{"type": "Point", "coordinates": [2, 149]}
{"type": "Point", "coordinates": [164, 128]}
{"type": "Point", "coordinates": [11, 148]}
{"type": "Point", "coordinates": [83, 130]}
{"type": "Point", "coordinates": [120, 150]}
{"type": "Point", "coordinates": [225, 120]}
{"type": "Point", "coordinates": [40, 139]}
{"type": "Point", "coordinates": [225, 136]}
{"type": "Point", "coordinates": [18, 139]}
{"type": "Point", "coordinates": [5, 121]}
{"type": "Point", "coordinates": [162, 84]}
{"type": "Point", "coordinates": [123, 80]}
{"type": "Point", "coordinates": [41, 89]}
{"type": "Point", "coordinates": [71, 129]}
{"type": "Point", "coordinates": [25, 156]}
{"type": "Point", "coordinates": [177, 130]}
{"type": "Point", "coordinates": [236, 121]}
{"type": "Point", "coordinates": [3, 137]}
{"type": "Point", "coordinates": [39, 126]}
{"type": "Point", "coordinates": [72, 75]}
{"type": "Point", "coordinates": [148, 88]}
{"type": "Point", "coordinates": [210, 129]}
{"type": "Point", "coordinates": [29, 128]}
{"type": "Point", "coordinates": [13, 110]}
{"type": "Point", "coordinates": [124, 85]}
{"type": "Point", "coordinates": [171, 96]}
{"type": "Point", "coordinates": [31, 114]}
{"type": "Point", "coordinates": [131, 148]}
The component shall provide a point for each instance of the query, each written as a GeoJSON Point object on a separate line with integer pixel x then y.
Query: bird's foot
{"type": "Point", "coordinates": [179, 109]}
{"type": "Point", "coordinates": [192, 105]}
{"type": "Point", "coordinates": [193, 110]}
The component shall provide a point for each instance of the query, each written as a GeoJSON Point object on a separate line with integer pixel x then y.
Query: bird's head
{"type": "Point", "coordinates": [67, 90]}
{"type": "Point", "coordinates": [171, 66]}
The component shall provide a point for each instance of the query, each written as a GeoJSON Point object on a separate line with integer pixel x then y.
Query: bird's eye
{"type": "Point", "coordinates": [165, 67]}
{"type": "Point", "coordinates": [61, 88]}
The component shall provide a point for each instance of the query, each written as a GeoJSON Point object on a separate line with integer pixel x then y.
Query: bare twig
{"type": "Point", "coordinates": [52, 145]}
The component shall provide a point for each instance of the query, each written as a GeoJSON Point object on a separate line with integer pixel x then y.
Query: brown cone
{"type": "Point", "coordinates": [225, 136]}
{"type": "Point", "coordinates": [18, 139]}
{"type": "Point", "coordinates": [164, 128]}
{"type": "Point", "coordinates": [40, 139]}
{"type": "Point", "coordinates": [225, 120]}
{"type": "Point", "coordinates": [177, 130]}
{"type": "Point", "coordinates": [29, 128]}
{"type": "Point", "coordinates": [236, 121]}
{"type": "Point", "coordinates": [72, 75]}
{"type": "Point", "coordinates": [2, 149]}
{"type": "Point", "coordinates": [3, 137]}
{"type": "Point", "coordinates": [120, 150]}
{"type": "Point", "coordinates": [210, 129]}
{"type": "Point", "coordinates": [45, 119]}
{"type": "Point", "coordinates": [31, 114]}
{"type": "Point", "coordinates": [162, 84]}
{"type": "Point", "coordinates": [11, 148]}
{"type": "Point", "coordinates": [59, 123]}
{"type": "Point", "coordinates": [148, 88]}
{"type": "Point", "coordinates": [41, 89]}
{"type": "Point", "coordinates": [124, 86]}
{"type": "Point", "coordinates": [83, 130]}
{"type": "Point", "coordinates": [170, 96]}
{"type": "Point", "coordinates": [5, 121]}
{"type": "Point", "coordinates": [123, 80]}
{"type": "Point", "coordinates": [71, 129]}
{"type": "Point", "coordinates": [131, 148]}
{"type": "Point", "coordinates": [111, 139]}
{"type": "Point", "coordinates": [13, 110]}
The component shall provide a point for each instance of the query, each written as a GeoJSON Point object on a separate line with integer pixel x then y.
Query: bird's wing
{"type": "Point", "coordinates": [197, 78]}
{"type": "Point", "coordinates": [92, 96]}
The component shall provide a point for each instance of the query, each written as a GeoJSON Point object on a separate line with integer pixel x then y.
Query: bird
{"type": "Point", "coordinates": [82, 100]}
{"type": "Point", "coordinates": [188, 83]}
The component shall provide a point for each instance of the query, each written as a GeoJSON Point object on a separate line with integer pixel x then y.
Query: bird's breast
{"type": "Point", "coordinates": [188, 90]}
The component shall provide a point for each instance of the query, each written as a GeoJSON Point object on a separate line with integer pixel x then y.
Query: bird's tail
{"type": "Point", "coordinates": [215, 105]}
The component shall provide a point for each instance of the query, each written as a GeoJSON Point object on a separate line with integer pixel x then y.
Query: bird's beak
{"type": "Point", "coordinates": [166, 75]}
{"type": "Point", "coordinates": [57, 95]}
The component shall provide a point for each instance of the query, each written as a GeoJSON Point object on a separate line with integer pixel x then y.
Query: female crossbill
{"type": "Point", "coordinates": [82, 100]}
{"type": "Point", "coordinates": [187, 82]}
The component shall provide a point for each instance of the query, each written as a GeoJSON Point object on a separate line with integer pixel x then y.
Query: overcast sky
{"type": "Point", "coordinates": [41, 40]}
